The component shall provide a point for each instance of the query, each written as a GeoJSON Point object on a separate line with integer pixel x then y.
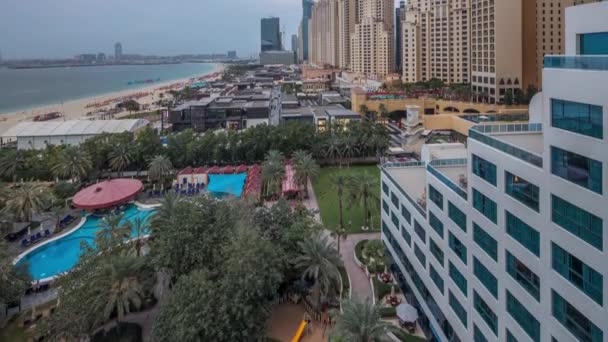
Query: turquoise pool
{"type": "Point", "coordinates": [62, 254]}
{"type": "Point", "coordinates": [221, 185]}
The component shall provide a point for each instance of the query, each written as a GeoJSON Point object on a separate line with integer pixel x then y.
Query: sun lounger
{"type": "Point", "coordinates": [47, 233]}
{"type": "Point", "coordinates": [25, 242]}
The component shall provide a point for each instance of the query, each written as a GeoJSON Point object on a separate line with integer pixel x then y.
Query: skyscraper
{"type": "Point", "coordinates": [399, 16]}
{"type": "Point", "coordinates": [348, 11]}
{"type": "Point", "coordinates": [323, 39]}
{"type": "Point", "coordinates": [270, 34]}
{"type": "Point", "coordinates": [304, 30]}
{"type": "Point", "coordinates": [294, 42]}
{"type": "Point", "coordinates": [118, 51]}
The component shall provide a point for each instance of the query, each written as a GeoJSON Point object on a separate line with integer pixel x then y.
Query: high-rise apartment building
{"type": "Point", "coordinates": [436, 41]}
{"type": "Point", "coordinates": [271, 34]}
{"type": "Point", "coordinates": [372, 40]}
{"type": "Point", "coordinates": [347, 18]}
{"type": "Point", "coordinates": [118, 51]}
{"type": "Point", "coordinates": [323, 39]}
{"type": "Point", "coordinates": [303, 30]}
{"type": "Point", "coordinates": [504, 240]}
{"type": "Point", "coordinates": [543, 34]}
{"type": "Point", "coordinates": [294, 43]}
{"type": "Point", "coordinates": [496, 48]}
{"type": "Point", "coordinates": [399, 15]}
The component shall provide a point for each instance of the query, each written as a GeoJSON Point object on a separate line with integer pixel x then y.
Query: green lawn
{"type": "Point", "coordinates": [12, 332]}
{"type": "Point", "coordinates": [328, 200]}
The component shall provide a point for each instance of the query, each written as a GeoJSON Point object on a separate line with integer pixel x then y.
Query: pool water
{"type": "Point", "coordinates": [221, 185]}
{"type": "Point", "coordinates": [62, 254]}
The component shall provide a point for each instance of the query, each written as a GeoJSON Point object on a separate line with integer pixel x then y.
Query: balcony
{"type": "Point", "coordinates": [452, 173]}
{"type": "Point", "coordinates": [522, 141]}
{"type": "Point", "coordinates": [597, 63]}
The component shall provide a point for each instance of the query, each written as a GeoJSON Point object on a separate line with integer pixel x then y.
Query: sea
{"type": "Point", "coordinates": [23, 89]}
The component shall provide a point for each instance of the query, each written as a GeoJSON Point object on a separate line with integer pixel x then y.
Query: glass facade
{"type": "Point", "coordinates": [385, 188]}
{"type": "Point", "coordinates": [395, 219]}
{"type": "Point", "coordinates": [436, 224]}
{"type": "Point", "coordinates": [458, 279]}
{"type": "Point", "coordinates": [420, 255]}
{"type": "Point", "coordinates": [522, 190]}
{"type": "Point", "coordinates": [573, 320]}
{"type": "Point", "coordinates": [484, 169]}
{"type": "Point", "coordinates": [406, 215]}
{"type": "Point", "coordinates": [385, 206]}
{"type": "Point", "coordinates": [577, 169]}
{"type": "Point", "coordinates": [523, 317]}
{"type": "Point", "coordinates": [485, 241]}
{"type": "Point", "coordinates": [485, 312]}
{"type": "Point", "coordinates": [524, 234]}
{"type": "Point", "coordinates": [457, 216]}
{"type": "Point", "coordinates": [478, 335]}
{"type": "Point", "coordinates": [436, 251]}
{"type": "Point", "coordinates": [578, 273]}
{"type": "Point", "coordinates": [458, 247]}
{"type": "Point", "coordinates": [523, 275]}
{"type": "Point", "coordinates": [577, 221]}
{"type": "Point", "coordinates": [406, 236]}
{"type": "Point", "coordinates": [485, 277]}
{"type": "Point", "coordinates": [436, 278]}
{"type": "Point", "coordinates": [395, 200]}
{"type": "Point", "coordinates": [593, 43]}
{"type": "Point", "coordinates": [458, 309]}
{"type": "Point", "coordinates": [436, 197]}
{"type": "Point", "coordinates": [485, 206]}
{"type": "Point", "coordinates": [577, 117]}
{"type": "Point", "coordinates": [420, 231]}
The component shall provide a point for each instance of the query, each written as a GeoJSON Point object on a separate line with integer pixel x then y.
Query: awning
{"type": "Point", "coordinates": [107, 194]}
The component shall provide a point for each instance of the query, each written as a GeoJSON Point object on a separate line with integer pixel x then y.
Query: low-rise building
{"type": "Point", "coordinates": [277, 58]}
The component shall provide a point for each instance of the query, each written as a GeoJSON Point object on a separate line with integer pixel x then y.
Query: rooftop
{"type": "Point", "coordinates": [411, 178]}
{"type": "Point", "coordinates": [532, 142]}
{"type": "Point", "coordinates": [73, 127]}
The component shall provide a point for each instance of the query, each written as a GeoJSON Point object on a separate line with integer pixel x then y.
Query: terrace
{"type": "Point", "coordinates": [410, 179]}
{"type": "Point", "coordinates": [522, 141]}
{"type": "Point", "coordinates": [452, 173]}
{"type": "Point", "coordinates": [587, 62]}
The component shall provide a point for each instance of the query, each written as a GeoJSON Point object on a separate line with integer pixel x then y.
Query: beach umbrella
{"type": "Point", "coordinates": [407, 313]}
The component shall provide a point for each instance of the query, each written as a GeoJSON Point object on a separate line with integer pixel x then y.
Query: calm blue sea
{"type": "Point", "coordinates": [22, 89]}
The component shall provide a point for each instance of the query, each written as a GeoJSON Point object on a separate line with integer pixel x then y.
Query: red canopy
{"type": "Point", "coordinates": [199, 171]}
{"type": "Point", "coordinates": [186, 171]}
{"type": "Point", "coordinates": [107, 194]}
{"type": "Point", "coordinates": [214, 170]}
{"type": "Point", "coordinates": [227, 169]}
{"type": "Point", "coordinates": [241, 169]}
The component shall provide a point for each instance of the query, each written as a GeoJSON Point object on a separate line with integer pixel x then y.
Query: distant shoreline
{"type": "Point", "coordinates": [52, 66]}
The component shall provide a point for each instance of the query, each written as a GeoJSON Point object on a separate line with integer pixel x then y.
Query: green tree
{"type": "Point", "coordinates": [319, 261]}
{"type": "Point", "coordinates": [14, 280]}
{"type": "Point", "coordinates": [363, 189]}
{"type": "Point", "coordinates": [123, 290]}
{"type": "Point", "coordinates": [113, 227]}
{"type": "Point", "coordinates": [73, 163]}
{"type": "Point", "coordinates": [273, 172]}
{"type": "Point", "coordinates": [383, 110]}
{"type": "Point", "coordinates": [138, 227]}
{"type": "Point", "coordinates": [306, 168]}
{"type": "Point", "coordinates": [361, 322]}
{"type": "Point", "coordinates": [12, 163]}
{"type": "Point", "coordinates": [509, 97]}
{"type": "Point", "coordinates": [339, 184]}
{"type": "Point", "coordinates": [530, 92]}
{"type": "Point", "coordinates": [26, 200]}
{"type": "Point", "coordinates": [519, 96]}
{"type": "Point", "coordinates": [147, 146]}
{"type": "Point", "coordinates": [333, 150]}
{"type": "Point", "coordinates": [160, 168]}
{"type": "Point", "coordinates": [120, 158]}
{"type": "Point", "coordinates": [363, 109]}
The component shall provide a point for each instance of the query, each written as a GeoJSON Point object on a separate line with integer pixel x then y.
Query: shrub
{"type": "Point", "coordinates": [388, 312]}
{"type": "Point", "coordinates": [359, 250]}
{"type": "Point", "coordinates": [65, 190]}
{"type": "Point", "coordinates": [382, 289]}
{"type": "Point", "coordinates": [123, 332]}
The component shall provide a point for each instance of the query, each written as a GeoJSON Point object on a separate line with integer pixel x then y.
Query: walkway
{"type": "Point", "coordinates": [359, 282]}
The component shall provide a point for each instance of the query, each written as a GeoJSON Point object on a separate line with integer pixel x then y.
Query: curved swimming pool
{"type": "Point", "coordinates": [62, 254]}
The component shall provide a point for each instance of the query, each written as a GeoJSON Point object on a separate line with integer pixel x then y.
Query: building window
{"type": "Point", "coordinates": [385, 206]}
{"type": "Point", "coordinates": [406, 236]}
{"type": "Point", "coordinates": [485, 205]}
{"type": "Point", "coordinates": [593, 43]}
{"type": "Point", "coordinates": [458, 247]}
{"type": "Point", "coordinates": [395, 200]}
{"type": "Point", "coordinates": [577, 117]}
{"type": "Point", "coordinates": [523, 275]}
{"type": "Point", "coordinates": [420, 255]}
{"type": "Point", "coordinates": [485, 241]}
{"type": "Point", "coordinates": [523, 233]}
{"type": "Point", "coordinates": [523, 317]}
{"type": "Point", "coordinates": [406, 215]}
{"type": "Point", "coordinates": [578, 273]}
{"type": "Point", "coordinates": [485, 277]}
{"type": "Point", "coordinates": [436, 278]}
{"type": "Point", "coordinates": [436, 223]}
{"type": "Point", "coordinates": [522, 190]}
{"type": "Point", "coordinates": [457, 216]}
{"type": "Point", "coordinates": [458, 309]}
{"type": "Point", "coordinates": [385, 188]}
{"type": "Point", "coordinates": [485, 312]}
{"type": "Point", "coordinates": [577, 169]}
{"type": "Point", "coordinates": [573, 320]}
{"type": "Point", "coordinates": [458, 279]}
{"type": "Point", "coordinates": [436, 197]}
{"type": "Point", "coordinates": [478, 335]}
{"type": "Point", "coordinates": [577, 221]}
{"type": "Point", "coordinates": [484, 169]}
{"type": "Point", "coordinates": [395, 219]}
{"type": "Point", "coordinates": [510, 337]}
{"type": "Point", "coordinates": [420, 231]}
{"type": "Point", "coordinates": [436, 251]}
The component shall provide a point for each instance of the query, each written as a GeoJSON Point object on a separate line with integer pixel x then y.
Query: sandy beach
{"type": "Point", "coordinates": [93, 107]}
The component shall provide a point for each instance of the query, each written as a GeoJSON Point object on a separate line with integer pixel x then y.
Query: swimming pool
{"type": "Point", "coordinates": [232, 184]}
{"type": "Point", "coordinates": [62, 254]}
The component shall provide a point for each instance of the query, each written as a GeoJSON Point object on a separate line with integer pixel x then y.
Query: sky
{"type": "Point", "coordinates": [64, 28]}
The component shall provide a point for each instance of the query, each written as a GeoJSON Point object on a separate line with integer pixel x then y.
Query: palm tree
{"type": "Point", "coordinates": [338, 184]}
{"type": "Point", "coordinates": [160, 167]}
{"type": "Point", "coordinates": [11, 163]}
{"type": "Point", "coordinates": [363, 109]}
{"type": "Point", "coordinates": [333, 150]}
{"type": "Point", "coordinates": [319, 260]}
{"type": "Point", "coordinates": [112, 227]}
{"type": "Point", "coordinates": [26, 200]}
{"type": "Point", "coordinates": [166, 210]}
{"type": "Point", "coordinates": [125, 290]}
{"type": "Point", "coordinates": [73, 163]}
{"type": "Point", "coordinates": [362, 189]}
{"type": "Point", "coordinates": [273, 171]}
{"type": "Point", "coordinates": [120, 158]}
{"type": "Point", "coordinates": [306, 168]}
{"type": "Point", "coordinates": [139, 227]}
{"type": "Point", "coordinates": [383, 110]}
{"type": "Point", "coordinates": [349, 148]}
{"type": "Point", "coordinates": [361, 322]}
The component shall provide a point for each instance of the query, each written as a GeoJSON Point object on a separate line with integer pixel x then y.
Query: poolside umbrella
{"type": "Point", "coordinates": [407, 313]}
{"type": "Point", "coordinates": [214, 170]}
{"type": "Point", "coordinates": [241, 168]}
{"type": "Point", "coordinates": [228, 169]}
